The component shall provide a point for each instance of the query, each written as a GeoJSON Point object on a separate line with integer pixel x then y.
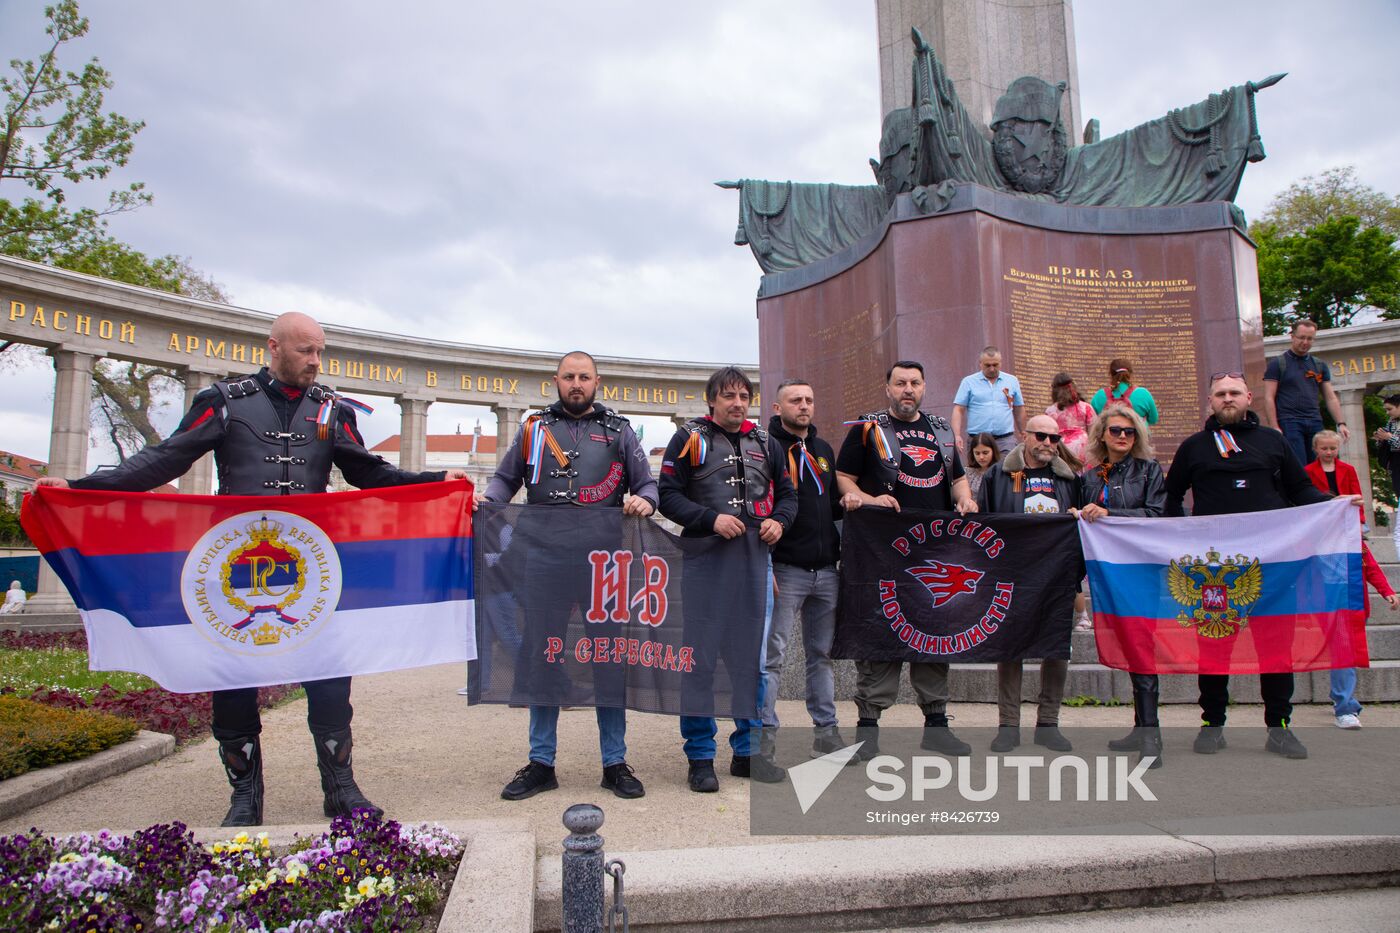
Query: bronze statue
{"type": "Point", "coordinates": [1197, 153]}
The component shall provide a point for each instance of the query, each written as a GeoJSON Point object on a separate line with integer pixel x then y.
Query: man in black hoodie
{"type": "Point", "coordinates": [1238, 465]}
{"type": "Point", "coordinates": [804, 561]}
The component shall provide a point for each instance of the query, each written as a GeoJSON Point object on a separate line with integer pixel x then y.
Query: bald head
{"type": "Point", "coordinates": [1039, 453]}
{"type": "Point", "coordinates": [294, 348]}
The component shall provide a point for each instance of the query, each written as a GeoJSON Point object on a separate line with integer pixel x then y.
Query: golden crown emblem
{"type": "Point", "coordinates": [264, 529]}
{"type": "Point", "coordinates": [267, 634]}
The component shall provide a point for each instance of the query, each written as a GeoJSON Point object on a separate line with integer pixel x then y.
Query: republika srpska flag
{"type": "Point", "coordinates": [589, 607]}
{"type": "Point", "coordinates": [938, 586]}
{"type": "Point", "coordinates": [1253, 593]}
{"type": "Point", "coordinates": [218, 592]}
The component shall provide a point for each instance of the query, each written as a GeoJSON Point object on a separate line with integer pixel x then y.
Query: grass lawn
{"type": "Point", "coordinates": [28, 669]}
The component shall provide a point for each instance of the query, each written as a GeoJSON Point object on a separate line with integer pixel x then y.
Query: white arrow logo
{"type": "Point", "coordinates": [811, 778]}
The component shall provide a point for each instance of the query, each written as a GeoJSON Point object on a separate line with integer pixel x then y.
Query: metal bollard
{"type": "Point", "coordinates": [583, 870]}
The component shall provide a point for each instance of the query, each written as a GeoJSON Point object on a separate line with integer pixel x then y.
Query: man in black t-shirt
{"type": "Point", "coordinates": [902, 458]}
{"type": "Point", "coordinates": [1294, 382]}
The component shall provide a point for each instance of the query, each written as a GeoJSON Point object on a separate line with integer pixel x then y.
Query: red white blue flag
{"type": "Point", "coordinates": [220, 592]}
{"type": "Point", "coordinates": [1256, 593]}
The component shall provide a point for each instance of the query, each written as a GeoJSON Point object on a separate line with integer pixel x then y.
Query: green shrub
{"type": "Point", "coordinates": [35, 736]}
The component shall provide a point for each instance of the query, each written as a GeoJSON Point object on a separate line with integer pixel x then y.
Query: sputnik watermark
{"type": "Point", "coordinates": [1102, 778]}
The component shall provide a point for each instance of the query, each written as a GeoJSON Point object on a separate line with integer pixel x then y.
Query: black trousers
{"type": "Point", "coordinates": [327, 709]}
{"type": "Point", "coordinates": [1276, 689]}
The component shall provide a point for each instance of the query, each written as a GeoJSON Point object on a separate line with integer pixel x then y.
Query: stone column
{"type": "Point", "coordinates": [413, 432]}
{"type": "Point", "coordinates": [507, 425]}
{"type": "Point", "coordinates": [199, 480]}
{"type": "Point", "coordinates": [984, 46]}
{"type": "Point", "coordinates": [1356, 451]}
{"type": "Point", "coordinates": [68, 448]}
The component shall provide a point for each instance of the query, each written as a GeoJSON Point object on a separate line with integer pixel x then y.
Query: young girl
{"type": "Point", "coordinates": [1331, 474]}
{"type": "Point", "coordinates": [983, 455]}
{"type": "Point", "coordinates": [1071, 413]}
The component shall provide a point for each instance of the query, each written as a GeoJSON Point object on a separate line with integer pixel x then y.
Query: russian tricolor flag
{"type": "Point", "coordinates": [219, 592]}
{"type": "Point", "coordinates": [1251, 593]}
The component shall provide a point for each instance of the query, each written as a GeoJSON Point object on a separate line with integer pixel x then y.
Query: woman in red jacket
{"type": "Point", "coordinates": [1338, 477]}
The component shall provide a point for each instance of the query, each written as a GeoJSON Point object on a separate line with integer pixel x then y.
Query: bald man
{"type": "Point", "coordinates": [260, 428]}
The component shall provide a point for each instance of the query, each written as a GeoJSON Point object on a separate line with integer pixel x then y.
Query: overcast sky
{"type": "Point", "coordinates": [540, 175]}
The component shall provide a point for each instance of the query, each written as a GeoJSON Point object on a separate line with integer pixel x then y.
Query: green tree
{"type": "Point", "coordinates": [55, 134]}
{"type": "Point", "coordinates": [1329, 272]}
{"type": "Point", "coordinates": [1337, 192]}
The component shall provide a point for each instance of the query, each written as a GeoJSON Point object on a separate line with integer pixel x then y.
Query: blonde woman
{"type": "Point", "coordinates": [1127, 482]}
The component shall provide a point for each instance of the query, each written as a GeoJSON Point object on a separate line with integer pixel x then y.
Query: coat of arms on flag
{"type": "Point", "coordinates": [1221, 589]}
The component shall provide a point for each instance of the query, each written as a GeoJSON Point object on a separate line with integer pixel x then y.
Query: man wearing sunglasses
{"type": "Point", "coordinates": [1237, 465]}
{"type": "Point", "coordinates": [1032, 480]}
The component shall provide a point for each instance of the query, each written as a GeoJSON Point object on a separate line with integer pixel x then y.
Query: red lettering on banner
{"type": "Point", "coordinates": [935, 528]}
{"type": "Point", "coordinates": [583, 650]}
{"type": "Point", "coordinates": [953, 526]}
{"type": "Point", "coordinates": [619, 653]}
{"type": "Point", "coordinates": [686, 659]}
{"type": "Point", "coordinates": [648, 653]}
{"type": "Point", "coordinates": [552, 647]}
{"type": "Point", "coordinates": [887, 590]}
{"type": "Point", "coordinates": [970, 529]}
{"type": "Point", "coordinates": [655, 574]}
{"type": "Point", "coordinates": [634, 650]}
{"type": "Point", "coordinates": [918, 532]}
{"type": "Point", "coordinates": [986, 535]}
{"type": "Point", "coordinates": [901, 545]}
{"type": "Point", "coordinates": [600, 649]}
{"type": "Point", "coordinates": [996, 547]}
{"type": "Point", "coordinates": [610, 586]}
{"type": "Point", "coordinates": [669, 664]}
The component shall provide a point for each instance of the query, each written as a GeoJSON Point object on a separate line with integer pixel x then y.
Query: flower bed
{"type": "Point", "coordinates": [364, 873]}
{"type": "Point", "coordinates": [36, 736]}
{"type": "Point", "coordinates": [183, 715]}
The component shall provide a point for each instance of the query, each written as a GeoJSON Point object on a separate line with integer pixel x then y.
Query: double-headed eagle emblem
{"type": "Point", "coordinates": [1221, 590]}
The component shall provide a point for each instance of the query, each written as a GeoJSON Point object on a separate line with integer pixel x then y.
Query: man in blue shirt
{"type": "Point", "coordinates": [989, 401]}
{"type": "Point", "coordinates": [1294, 381]}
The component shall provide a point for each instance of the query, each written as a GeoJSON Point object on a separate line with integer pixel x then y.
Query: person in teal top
{"type": "Point", "coordinates": [1121, 389]}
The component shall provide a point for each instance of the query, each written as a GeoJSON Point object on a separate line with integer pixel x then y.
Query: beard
{"type": "Point", "coordinates": [577, 408]}
{"type": "Point", "coordinates": [1234, 416]}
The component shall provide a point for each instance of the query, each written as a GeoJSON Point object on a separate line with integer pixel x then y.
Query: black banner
{"type": "Point", "coordinates": [935, 586]}
{"type": "Point", "coordinates": [588, 607]}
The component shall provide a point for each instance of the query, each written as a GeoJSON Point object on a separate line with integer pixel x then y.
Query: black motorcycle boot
{"type": "Point", "coordinates": [242, 761]}
{"type": "Point", "coordinates": [343, 795]}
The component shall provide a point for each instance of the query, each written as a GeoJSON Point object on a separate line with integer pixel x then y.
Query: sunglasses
{"type": "Point", "coordinates": [1216, 376]}
{"type": "Point", "coordinates": [1120, 431]}
{"type": "Point", "coordinates": [1043, 437]}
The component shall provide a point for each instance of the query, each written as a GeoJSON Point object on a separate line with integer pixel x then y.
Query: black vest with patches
{"type": "Point", "coordinates": [258, 457]}
{"type": "Point", "coordinates": [886, 475]}
{"type": "Point", "coordinates": [732, 482]}
{"type": "Point", "coordinates": [596, 474]}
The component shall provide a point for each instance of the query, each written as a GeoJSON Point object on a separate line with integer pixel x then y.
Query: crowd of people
{"type": "Point", "coordinates": [724, 475]}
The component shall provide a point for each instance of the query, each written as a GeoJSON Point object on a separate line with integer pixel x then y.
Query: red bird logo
{"type": "Point", "coordinates": [920, 455]}
{"type": "Point", "coordinates": [945, 581]}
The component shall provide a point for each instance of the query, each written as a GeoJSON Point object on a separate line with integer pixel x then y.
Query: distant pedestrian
{"type": "Point", "coordinates": [1294, 383]}
{"type": "Point", "coordinates": [1388, 449]}
{"type": "Point", "coordinates": [989, 401]}
{"type": "Point", "coordinates": [1121, 390]}
{"type": "Point", "coordinates": [983, 457]}
{"type": "Point", "coordinates": [1071, 413]}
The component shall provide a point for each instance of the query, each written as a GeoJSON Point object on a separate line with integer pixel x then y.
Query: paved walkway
{"type": "Point", "coordinates": [423, 754]}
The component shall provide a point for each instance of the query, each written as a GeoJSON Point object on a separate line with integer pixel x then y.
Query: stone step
{"type": "Point", "coordinates": [977, 683]}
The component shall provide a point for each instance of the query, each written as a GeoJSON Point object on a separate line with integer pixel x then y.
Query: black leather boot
{"type": "Point", "coordinates": [242, 761]}
{"type": "Point", "coordinates": [1145, 702]}
{"type": "Point", "coordinates": [343, 795]}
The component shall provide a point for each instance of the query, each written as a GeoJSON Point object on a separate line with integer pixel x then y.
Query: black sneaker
{"type": "Point", "coordinates": [702, 778]}
{"type": "Point", "coordinates": [1008, 737]}
{"type": "Point", "coordinates": [827, 739]}
{"type": "Point", "coordinates": [622, 781]}
{"type": "Point", "coordinates": [757, 767]}
{"type": "Point", "coordinates": [941, 739]}
{"type": "Point", "coordinates": [868, 734]}
{"type": "Point", "coordinates": [1209, 740]}
{"type": "Point", "coordinates": [530, 780]}
{"type": "Point", "coordinates": [1283, 741]}
{"type": "Point", "coordinates": [1052, 738]}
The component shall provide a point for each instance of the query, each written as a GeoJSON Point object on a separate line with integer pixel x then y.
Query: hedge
{"type": "Point", "coordinates": [35, 736]}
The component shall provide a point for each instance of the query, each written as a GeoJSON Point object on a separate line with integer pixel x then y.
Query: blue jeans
{"type": "Point", "coordinates": [811, 594]}
{"type": "Point", "coordinates": [1299, 435]}
{"type": "Point", "coordinates": [699, 731]}
{"type": "Point", "coordinates": [544, 733]}
{"type": "Point", "coordinates": [1344, 692]}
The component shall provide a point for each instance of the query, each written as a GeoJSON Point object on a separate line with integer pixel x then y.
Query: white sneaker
{"type": "Point", "coordinates": [464, 691]}
{"type": "Point", "coordinates": [1348, 721]}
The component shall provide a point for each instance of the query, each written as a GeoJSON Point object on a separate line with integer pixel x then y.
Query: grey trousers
{"type": "Point", "coordinates": [1053, 675]}
{"type": "Point", "coordinates": [810, 595]}
{"type": "Point", "coordinates": [877, 686]}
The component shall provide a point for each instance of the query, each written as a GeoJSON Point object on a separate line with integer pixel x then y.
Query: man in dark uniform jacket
{"type": "Point", "coordinates": [262, 429]}
{"type": "Point", "coordinates": [605, 461]}
{"type": "Point", "coordinates": [1238, 465]}
{"type": "Point", "coordinates": [718, 478]}
{"type": "Point", "coordinates": [903, 458]}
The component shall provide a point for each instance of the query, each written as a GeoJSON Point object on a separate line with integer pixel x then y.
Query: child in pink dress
{"type": "Point", "coordinates": [1071, 413]}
